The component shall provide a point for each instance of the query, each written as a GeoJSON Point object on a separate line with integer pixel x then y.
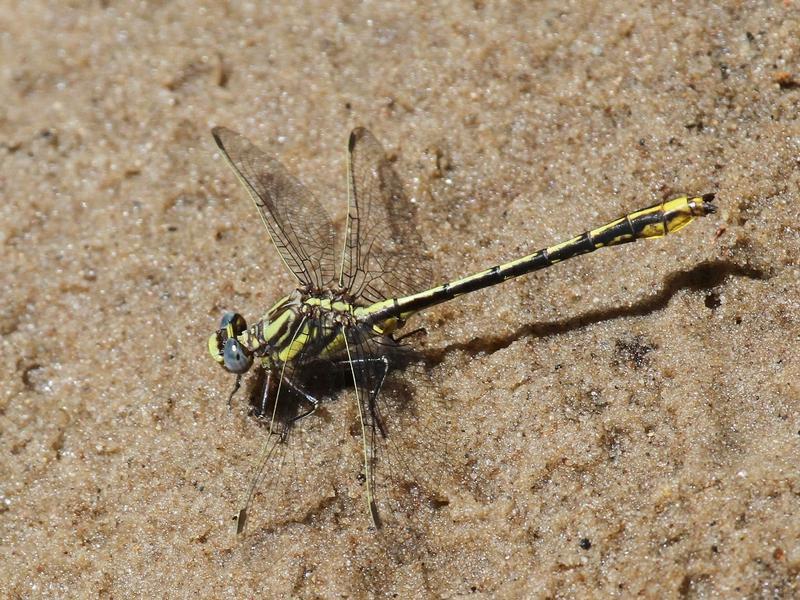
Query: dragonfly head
{"type": "Point", "coordinates": [226, 349]}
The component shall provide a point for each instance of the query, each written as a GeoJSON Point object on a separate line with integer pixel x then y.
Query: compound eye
{"type": "Point", "coordinates": [235, 320]}
{"type": "Point", "coordinates": [234, 358]}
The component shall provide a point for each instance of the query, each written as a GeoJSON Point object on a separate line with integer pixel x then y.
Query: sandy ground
{"type": "Point", "coordinates": [622, 424]}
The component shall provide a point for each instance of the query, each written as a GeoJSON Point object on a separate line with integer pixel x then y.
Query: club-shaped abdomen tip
{"type": "Point", "coordinates": [701, 206]}
{"type": "Point", "coordinates": [707, 203]}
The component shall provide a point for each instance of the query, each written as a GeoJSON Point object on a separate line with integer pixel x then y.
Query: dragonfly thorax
{"type": "Point", "coordinates": [312, 323]}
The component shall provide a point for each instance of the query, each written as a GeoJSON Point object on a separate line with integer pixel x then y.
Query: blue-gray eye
{"type": "Point", "coordinates": [234, 357]}
{"type": "Point", "coordinates": [234, 319]}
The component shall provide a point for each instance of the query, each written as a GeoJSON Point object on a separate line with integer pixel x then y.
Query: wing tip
{"type": "Point", "coordinates": [355, 135]}
{"type": "Point", "coordinates": [217, 133]}
{"type": "Point", "coordinates": [223, 135]}
{"type": "Point", "coordinates": [708, 208]}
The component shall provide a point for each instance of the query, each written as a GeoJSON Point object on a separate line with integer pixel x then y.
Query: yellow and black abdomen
{"type": "Point", "coordinates": [651, 222]}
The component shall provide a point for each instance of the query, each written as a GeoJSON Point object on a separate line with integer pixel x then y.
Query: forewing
{"type": "Point", "coordinates": [383, 254]}
{"type": "Point", "coordinates": [297, 223]}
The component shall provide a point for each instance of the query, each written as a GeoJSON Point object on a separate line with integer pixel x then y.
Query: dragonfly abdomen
{"type": "Point", "coordinates": [651, 222]}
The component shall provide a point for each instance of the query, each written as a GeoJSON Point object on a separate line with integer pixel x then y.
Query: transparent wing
{"type": "Point", "coordinates": [270, 480]}
{"type": "Point", "coordinates": [383, 254]}
{"type": "Point", "coordinates": [406, 453]}
{"type": "Point", "coordinates": [297, 223]}
{"type": "Point", "coordinates": [270, 477]}
{"type": "Point", "coordinates": [279, 399]}
{"type": "Point", "coordinates": [406, 458]}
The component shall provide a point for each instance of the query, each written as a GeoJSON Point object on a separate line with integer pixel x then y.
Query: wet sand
{"type": "Point", "coordinates": [624, 424]}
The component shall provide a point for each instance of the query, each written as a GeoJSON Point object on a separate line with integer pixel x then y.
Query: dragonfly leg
{"type": "Point", "coordinates": [236, 387]}
{"type": "Point", "coordinates": [263, 408]}
{"type": "Point", "coordinates": [382, 362]}
{"type": "Point", "coordinates": [313, 401]}
{"type": "Point", "coordinates": [413, 332]}
{"type": "Point", "coordinates": [265, 395]}
{"type": "Point", "coordinates": [374, 396]}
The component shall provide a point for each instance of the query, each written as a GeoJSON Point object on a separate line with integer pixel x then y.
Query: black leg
{"type": "Point", "coordinates": [383, 363]}
{"type": "Point", "coordinates": [374, 397]}
{"type": "Point", "coordinates": [417, 331]}
{"type": "Point", "coordinates": [236, 387]}
{"type": "Point", "coordinates": [265, 395]}
{"type": "Point", "coordinates": [314, 402]}
{"type": "Point", "coordinates": [380, 361]}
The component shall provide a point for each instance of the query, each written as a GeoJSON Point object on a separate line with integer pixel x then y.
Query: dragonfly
{"type": "Point", "coordinates": [347, 310]}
